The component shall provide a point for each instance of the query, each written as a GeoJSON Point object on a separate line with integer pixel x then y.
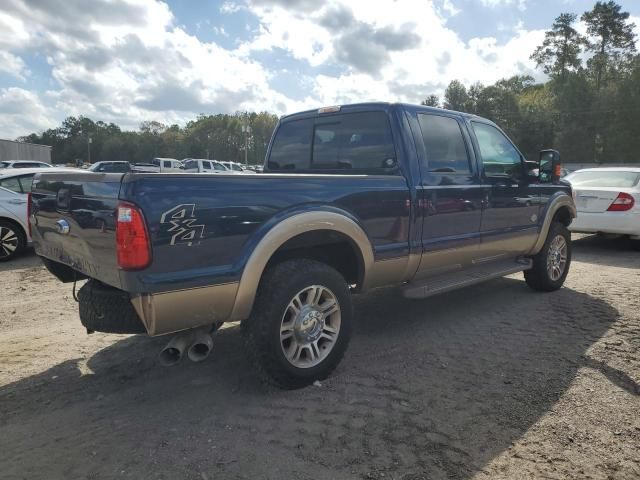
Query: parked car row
{"type": "Point", "coordinates": [171, 165]}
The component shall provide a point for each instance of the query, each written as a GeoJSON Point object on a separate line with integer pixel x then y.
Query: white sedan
{"type": "Point", "coordinates": [15, 184]}
{"type": "Point", "coordinates": [607, 200]}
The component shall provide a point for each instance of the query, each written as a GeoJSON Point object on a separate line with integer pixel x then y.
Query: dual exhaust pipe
{"type": "Point", "coordinates": [197, 344]}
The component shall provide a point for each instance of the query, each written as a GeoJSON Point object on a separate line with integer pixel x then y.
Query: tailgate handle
{"type": "Point", "coordinates": [63, 199]}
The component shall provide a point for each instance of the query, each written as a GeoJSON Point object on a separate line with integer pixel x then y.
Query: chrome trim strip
{"type": "Point", "coordinates": [285, 230]}
{"type": "Point", "coordinates": [177, 310]}
{"type": "Point", "coordinates": [556, 203]}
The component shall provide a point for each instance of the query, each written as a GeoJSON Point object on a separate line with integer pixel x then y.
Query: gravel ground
{"type": "Point", "coordinates": [493, 381]}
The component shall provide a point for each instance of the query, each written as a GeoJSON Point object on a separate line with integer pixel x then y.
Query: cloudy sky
{"type": "Point", "coordinates": [127, 61]}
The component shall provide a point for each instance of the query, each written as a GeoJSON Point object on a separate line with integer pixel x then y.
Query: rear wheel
{"type": "Point", "coordinates": [300, 324]}
{"type": "Point", "coordinates": [12, 240]}
{"type": "Point", "coordinates": [551, 264]}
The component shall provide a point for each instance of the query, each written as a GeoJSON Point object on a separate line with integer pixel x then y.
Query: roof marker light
{"type": "Point", "coordinates": [333, 109]}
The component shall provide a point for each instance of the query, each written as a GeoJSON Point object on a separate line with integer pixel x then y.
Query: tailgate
{"type": "Point", "coordinates": [73, 221]}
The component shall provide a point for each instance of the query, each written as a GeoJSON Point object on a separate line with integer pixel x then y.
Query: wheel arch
{"type": "Point", "coordinates": [560, 207]}
{"type": "Point", "coordinates": [302, 231]}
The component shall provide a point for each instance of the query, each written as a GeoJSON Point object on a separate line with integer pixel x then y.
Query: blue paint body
{"type": "Point", "coordinates": [405, 210]}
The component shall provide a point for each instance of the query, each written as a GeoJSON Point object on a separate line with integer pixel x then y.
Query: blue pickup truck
{"type": "Point", "coordinates": [352, 198]}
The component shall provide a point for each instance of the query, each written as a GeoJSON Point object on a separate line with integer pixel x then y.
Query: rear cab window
{"type": "Point", "coordinates": [444, 144]}
{"type": "Point", "coordinates": [356, 143]}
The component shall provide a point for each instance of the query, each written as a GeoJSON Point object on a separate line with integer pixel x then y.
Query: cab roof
{"type": "Point", "coordinates": [386, 106]}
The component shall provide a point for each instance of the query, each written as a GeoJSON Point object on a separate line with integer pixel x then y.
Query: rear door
{"type": "Point", "coordinates": [512, 198]}
{"type": "Point", "coordinates": [452, 195]}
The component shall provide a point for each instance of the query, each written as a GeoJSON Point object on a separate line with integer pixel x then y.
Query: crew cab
{"type": "Point", "coordinates": [352, 198]}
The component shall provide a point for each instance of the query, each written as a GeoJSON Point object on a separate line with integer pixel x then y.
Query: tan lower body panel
{"type": "Point", "coordinates": [170, 312]}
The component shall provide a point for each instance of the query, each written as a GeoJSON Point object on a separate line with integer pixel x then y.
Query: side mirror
{"type": "Point", "coordinates": [550, 169]}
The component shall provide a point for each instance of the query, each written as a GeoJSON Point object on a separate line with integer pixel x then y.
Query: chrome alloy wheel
{"type": "Point", "coordinates": [310, 326]}
{"type": "Point", "coordinates": [8, 242]}
{"type": "Point", "coordinates": [557, 258]}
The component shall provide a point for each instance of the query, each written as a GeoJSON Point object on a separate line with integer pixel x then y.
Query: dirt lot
{"type": "Point", "coordinates": [493, 381]}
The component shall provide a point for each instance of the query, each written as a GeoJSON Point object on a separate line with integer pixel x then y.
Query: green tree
{"type": "Point", "coordinates": [611, 41]}
{"type": "Point", "coordinates": [456, 96]}
{"type": "Point", "coordinates": [560, 50]}
{"type": "Point", "coordinates": [431, 101]}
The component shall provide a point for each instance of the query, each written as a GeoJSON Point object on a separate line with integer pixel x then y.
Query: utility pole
{"type": "Point", "coordinates": [208, 142]}
{"type": "Point", "coordinates": [89, 148]}
{"type": "Point", "coordinates": [246, 129]}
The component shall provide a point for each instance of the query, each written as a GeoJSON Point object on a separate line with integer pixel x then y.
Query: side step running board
{"type": "Point", "coordinates": [463, 278]}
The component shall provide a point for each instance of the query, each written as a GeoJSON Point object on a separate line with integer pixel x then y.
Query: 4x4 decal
{"type": "Point", "coordinates": [183, 227]}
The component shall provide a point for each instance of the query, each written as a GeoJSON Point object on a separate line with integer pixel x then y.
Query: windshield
{"type": "Point", "coordinates": [4, 164]}
{"type": "Point", "coordinates": [604, 178]}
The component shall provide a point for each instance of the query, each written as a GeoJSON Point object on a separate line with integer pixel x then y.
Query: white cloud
{"type": "Point", "coordinates": [13, 65]}
{"type": "Point", "coordinates": [126, 61]}
{"type": "Point", "coordinates": [521, 4]}
{"type": "Point", "coordinates": [22, 111]}
{"type": "Point", "coordinates": [320, 37]}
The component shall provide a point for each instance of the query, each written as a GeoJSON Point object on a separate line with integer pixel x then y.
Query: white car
{"type": "Point", "coordinates": [15, 184]}
{"type": "Point", "coordinates": [236, 167]}
{"type": "Point", "coordinates": [607, 200]}
{"type": "Point", "coordinates": [24, 164]}
{"type": "Point", "coordinates": [201, 165]}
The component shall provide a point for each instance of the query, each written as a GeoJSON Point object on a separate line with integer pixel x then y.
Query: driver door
{"type": "Point", "coordinates": [511, 206]}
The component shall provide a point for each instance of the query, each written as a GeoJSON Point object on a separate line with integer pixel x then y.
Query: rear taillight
{"type": "Point", "coordinates": [623, 203]}
{"type": "Point", "coordinates": [29, 210]}
{"type": "Point", "coordinates": [132, 239]}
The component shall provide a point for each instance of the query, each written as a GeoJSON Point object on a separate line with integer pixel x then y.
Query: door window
{"type": "Point", "coordinates": [444, 144]}
{"type": "Point", "coordinates": [167, 164]}
{"type": "Point", "coordinates": [499, 156]}
{"type": "Point", "coordinates": [12, 184]}
{"type": "Point", "coordinates": [206, 165]}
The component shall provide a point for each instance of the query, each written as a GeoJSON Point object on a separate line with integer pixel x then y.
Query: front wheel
{"type": "Point", "coordinates": [301, 323]}
{"type": "Point", "coordinates": [551, 264]}
{"type": "Point", "coordinates": [12, 240]}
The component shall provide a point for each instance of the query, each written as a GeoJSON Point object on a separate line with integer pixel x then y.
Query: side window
{"type": "Point", "coordinates": [358, 141]}
{"type": "Point", "coordinates": [155, 162]}
{"type": "Point", "coordinates": [499, 156]}
{"type": "Point", "coordinates": [167, 164]}
{"type": "Point", "coordinates": [12, 184]}
{"type": "Point", "coordinates": [444, 144]}
{"type": "Point", "coordinates": [291, 149]}
{"type": "Point", "coordinates": [206, 165]}
{"type": "Point", "coordinates": [25, 182]}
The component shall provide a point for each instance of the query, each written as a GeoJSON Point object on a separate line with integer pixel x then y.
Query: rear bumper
{"type": "Point", "coordinates": [623, 223]}
{"type": "Point", "coordinates": [170, 312]}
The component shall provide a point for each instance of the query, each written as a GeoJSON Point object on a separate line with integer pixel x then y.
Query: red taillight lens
{"type": "Point", "coordinates": [132, 239]}
{"type": "Point", "coordinates": [623, 203]}
{"type": "Point", "coordinates": [29, 210]}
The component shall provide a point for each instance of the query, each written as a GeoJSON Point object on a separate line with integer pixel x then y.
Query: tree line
{"type": "Point", "coordinates": [589, 108]}
{"type": "Point", "coordinates": [222, 137]}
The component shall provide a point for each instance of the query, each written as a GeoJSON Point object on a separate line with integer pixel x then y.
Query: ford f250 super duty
{"type": "Point", "coordinates": [352, 198]}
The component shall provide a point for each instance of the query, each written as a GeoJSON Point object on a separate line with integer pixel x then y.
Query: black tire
{"type": "Point", "coordinates": [107, 309]}
{"type": "Point", "coordinates": [539, 278]}
{"type": "Point", "coordinates": [278, 287]}
{"type": "Point", "coordinates": [13, 240]}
